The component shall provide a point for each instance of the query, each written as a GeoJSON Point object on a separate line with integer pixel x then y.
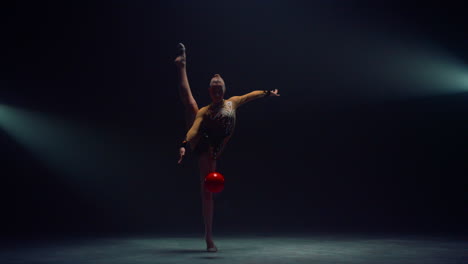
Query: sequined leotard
{"type": "Point", "coordinates": [216, 128]}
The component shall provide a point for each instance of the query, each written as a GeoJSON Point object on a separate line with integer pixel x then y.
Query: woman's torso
{"type": "Point", "coordinates": [219, 121]}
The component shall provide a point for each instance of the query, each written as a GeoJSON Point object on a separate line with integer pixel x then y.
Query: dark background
{"type": "Point", "coordinates": [349, 146]}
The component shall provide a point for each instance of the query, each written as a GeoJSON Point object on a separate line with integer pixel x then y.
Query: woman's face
{"type": "Point", "coordinates": [217, 89]}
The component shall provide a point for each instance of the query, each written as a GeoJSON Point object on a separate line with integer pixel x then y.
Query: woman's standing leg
{"type": "Point", "coordinates": [207, 164]}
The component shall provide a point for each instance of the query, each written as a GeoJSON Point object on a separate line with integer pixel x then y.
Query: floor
{"type": "Point", "coordinates": [242, 248]}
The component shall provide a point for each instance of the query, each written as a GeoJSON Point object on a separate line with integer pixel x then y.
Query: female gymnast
{"type": "Point", "coordinates": [210, 128]}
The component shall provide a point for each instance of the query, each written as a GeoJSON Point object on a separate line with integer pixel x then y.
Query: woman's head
{"type": "Point", "coordinates": [217, 88]}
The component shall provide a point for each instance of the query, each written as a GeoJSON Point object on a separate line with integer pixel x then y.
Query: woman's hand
{"type": "Point", "coordinates": [274, 92]}
{"type": "Point", "coordinates": [181, 154]}
{"type": "Point", "coordinates": [180, 61]}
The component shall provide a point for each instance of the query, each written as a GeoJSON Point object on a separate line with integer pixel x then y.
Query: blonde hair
{"type": "Point", "coordinates": [217, 76]}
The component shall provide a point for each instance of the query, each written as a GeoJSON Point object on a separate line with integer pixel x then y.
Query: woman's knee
{"type": "Point", "coordinates": [191, 107]}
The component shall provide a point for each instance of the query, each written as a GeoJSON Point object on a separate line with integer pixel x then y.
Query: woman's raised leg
{"type": "Point", "coordinates": [191, 106]}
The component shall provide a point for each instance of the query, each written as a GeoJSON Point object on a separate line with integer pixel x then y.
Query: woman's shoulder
{"type": "Point", "coordinates": [203, 110]}
{"type": "Point", "coordinates": [233, 101]}
{"type": "Point", "coordinates": [233, 98]}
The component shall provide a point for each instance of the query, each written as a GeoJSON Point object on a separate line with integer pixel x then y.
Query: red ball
{"type": "Point", "coordinates": [214, 182]}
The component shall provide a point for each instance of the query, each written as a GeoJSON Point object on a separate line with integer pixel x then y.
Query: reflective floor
{"type": "Point", "coordinates": [241, 248]}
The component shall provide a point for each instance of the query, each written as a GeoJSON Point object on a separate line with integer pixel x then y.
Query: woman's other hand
{"type": "Point", "coordinates": [181, 154]}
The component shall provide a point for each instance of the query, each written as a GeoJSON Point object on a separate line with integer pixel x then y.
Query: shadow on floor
{"type": "Point", "coordinates": [179, 251]}
{"type": "Point", "coordinates": [211, 257]}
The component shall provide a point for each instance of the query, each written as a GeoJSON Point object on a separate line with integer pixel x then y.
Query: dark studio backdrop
{"type": "Point", "coordinates": [369, 134]}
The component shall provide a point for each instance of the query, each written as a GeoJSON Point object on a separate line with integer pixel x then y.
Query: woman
{"type": "Point", "coordinates": [210, 128]}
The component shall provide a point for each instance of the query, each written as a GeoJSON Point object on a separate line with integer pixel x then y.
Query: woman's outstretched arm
{"type": "Point", "coordinates": [191, 107]}
{"type": "Point", "coordinates": [240, 100]}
